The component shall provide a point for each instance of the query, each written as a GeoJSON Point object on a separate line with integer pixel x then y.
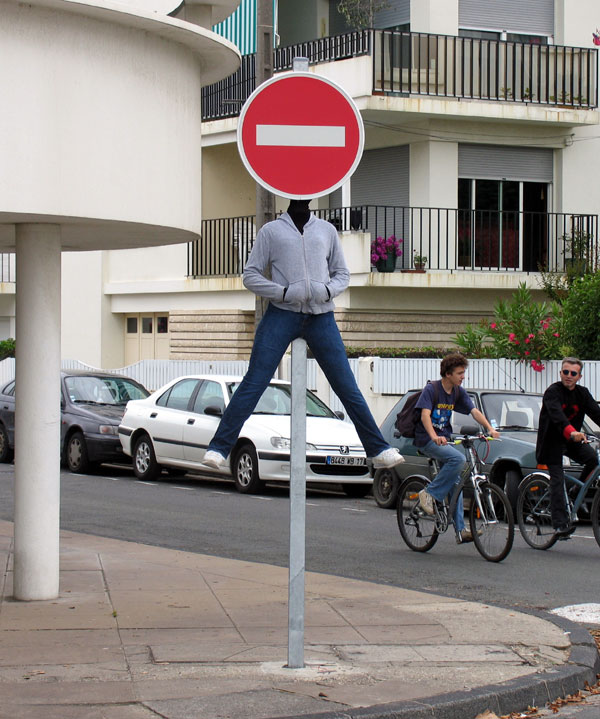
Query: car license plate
{"type": "Point", "coordinates": [350, 461]}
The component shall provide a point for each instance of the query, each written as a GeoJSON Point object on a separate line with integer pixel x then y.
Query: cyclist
{"type": "Point", "coordinates": [564, 407]}
{"type": "Point", "coordinates": [437, 402]}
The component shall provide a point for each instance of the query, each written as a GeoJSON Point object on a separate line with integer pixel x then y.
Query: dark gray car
{"type": "Point", "coordinates": [92, 406]}
{"type": "Point", "coordinates": [515, 414]}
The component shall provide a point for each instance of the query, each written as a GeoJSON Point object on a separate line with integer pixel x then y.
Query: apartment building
{"type": "Point", "coordinates": [482, 142]}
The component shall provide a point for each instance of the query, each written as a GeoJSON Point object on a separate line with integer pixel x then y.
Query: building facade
{"type": "Point", "coordinates": [482, 140]}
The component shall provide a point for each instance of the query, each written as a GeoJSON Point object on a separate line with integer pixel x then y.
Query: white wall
{"type": "Point", "coordinates": [434, 16]}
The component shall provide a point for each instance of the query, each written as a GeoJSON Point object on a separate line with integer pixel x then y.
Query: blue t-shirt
{"type": "Point", "coordinates": [441, 414]}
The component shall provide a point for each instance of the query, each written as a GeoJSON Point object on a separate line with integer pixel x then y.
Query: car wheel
{"type": "Point", "coordinates": [245, 470]}
{"type": "Point", "coordinates": [385, 488]}
{"type": "Point", "coordinates": [77, 455]}
{"type": "Point", "coordinates": [356, 491]}
{"type": "Point", "coordinates": [6, 452]}
{"type": "Point", "coordinates": [145, 465]}
{"type": "Point", "coordinates": [512, 480]}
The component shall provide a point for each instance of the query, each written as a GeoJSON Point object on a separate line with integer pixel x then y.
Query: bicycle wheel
{"type": "Point", "coordinates": [595, 517]}
{"type": "Point", "coordinates": [492, 522]}
{"type": "Point", "coordinates": [417, 528]}
{"type": "Point", "coordinates": [533, 512]}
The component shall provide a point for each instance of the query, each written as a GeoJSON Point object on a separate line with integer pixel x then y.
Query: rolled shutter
{"type": "Point", "coordinates": [498, 162]}
{"type": "Point", "coordinates": [533, 16]}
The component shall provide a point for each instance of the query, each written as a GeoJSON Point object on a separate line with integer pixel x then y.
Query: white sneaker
{"type": "Point", "coordinates": [213, 459]}
{"type": "Point", "coordinates": [426, 502]}
{"type": "Point", "coordinates": [390, 457]}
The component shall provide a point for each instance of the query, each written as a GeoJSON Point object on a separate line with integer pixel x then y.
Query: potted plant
{"type": "Point", "coordinates": [384, 253]}
{"type": "Point", "coordinates": [420, 261]}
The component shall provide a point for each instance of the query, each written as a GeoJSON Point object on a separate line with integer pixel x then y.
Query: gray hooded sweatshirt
{"type": "Point", "coordinates": [307, 269]}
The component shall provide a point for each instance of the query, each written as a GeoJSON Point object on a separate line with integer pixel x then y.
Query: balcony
{"type": "Point", "coordinates": [451, 239]}
{"type": "Point", "coordinates": [442, 66]}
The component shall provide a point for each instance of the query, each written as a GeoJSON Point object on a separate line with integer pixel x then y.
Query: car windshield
{"type": "Point", "coordinates": [91, 389]}
{"type": "Point", "coordinates": [277, 399]}
{"type": "Point", "coordinates": [512, 410]}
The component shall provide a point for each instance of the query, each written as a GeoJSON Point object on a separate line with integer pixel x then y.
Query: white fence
{"type": "Point", "coordinates": [381, 380]}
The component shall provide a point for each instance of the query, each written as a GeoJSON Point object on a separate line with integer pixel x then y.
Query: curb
{"type": "Point", "coordinates": [511, 696]}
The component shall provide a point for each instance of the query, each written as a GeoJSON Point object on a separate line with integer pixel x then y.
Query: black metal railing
{"type": "Point", "coordinates": [409, 63]}
{"type": "Point", "coordinates": [226, 97]}
{"type": "Point", "coordinates": [449, 239]}
{"type": "Point", "coordinates": [448, 66]}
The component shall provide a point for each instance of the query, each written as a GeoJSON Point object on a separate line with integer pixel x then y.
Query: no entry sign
{"type": "Point", "coordinates": [300, 135]}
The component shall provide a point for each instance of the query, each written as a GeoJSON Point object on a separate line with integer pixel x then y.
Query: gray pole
{"type": "Point", "coordinates": [265, 201]}
{"type": "Point", "coordinates": [297, 507]}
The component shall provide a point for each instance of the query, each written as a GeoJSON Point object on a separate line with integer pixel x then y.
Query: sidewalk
{"type": "Point", "coordinates": [141, 632]}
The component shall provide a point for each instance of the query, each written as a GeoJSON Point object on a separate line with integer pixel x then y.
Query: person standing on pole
{"type": "Point", "coordinates": [308, 270]}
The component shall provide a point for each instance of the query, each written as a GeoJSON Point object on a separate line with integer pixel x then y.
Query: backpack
{"type": "Point", "coordinates": [409, 415]}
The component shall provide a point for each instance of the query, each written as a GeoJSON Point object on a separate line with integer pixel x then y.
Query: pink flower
{"type": "Point", "coordinates": [527, 340]}
{"type": "Point", "coordinates": [556, 334]}
{"type": "Point", "coordinates": [511, 337]}
{"type": "Point", "coordinates": [531, 335]}
{"type": "Point", "coordinates": [536, 366]}
{"type": "Point", "coordinates": [493, 325]}
{"type": "Point", "coordinates": [596, 37]}
{"type": "Point", "coordinates": [527, 352]}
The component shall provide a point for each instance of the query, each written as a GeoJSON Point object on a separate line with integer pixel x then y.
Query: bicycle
{"type": "Point", "coordinates": [533, 504]}
{"type": "Point", "coordinates": [490, 514]}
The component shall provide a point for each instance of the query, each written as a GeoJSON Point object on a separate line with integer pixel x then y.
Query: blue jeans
{"type": "Point", "coordinates": [452, 462]}
{"type": "Point", "coordinates": [275, 332]}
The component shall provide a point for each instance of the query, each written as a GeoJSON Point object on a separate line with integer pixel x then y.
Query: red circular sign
{"type": "Point", "coordinates": [300, 135]}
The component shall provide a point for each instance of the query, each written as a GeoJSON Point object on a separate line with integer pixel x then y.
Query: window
{"type": "Point", "coordinates": [502, 224]}
{"type": "Point", "coordinates": [132, 325]}
{"type": "Point", "coordinates": [210, 394]}
{"type": "Point", "coordinates": [179, 395]}
{"type": "Point", "coordinates": [147, 325]}
{"type": "Point", "coordinates": [162, 324]}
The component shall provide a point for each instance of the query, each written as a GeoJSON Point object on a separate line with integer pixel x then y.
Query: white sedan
{"type": "Point", "coordinates": [173, 426]}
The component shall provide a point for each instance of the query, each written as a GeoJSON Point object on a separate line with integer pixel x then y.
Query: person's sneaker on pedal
{"type": "Point", "coordinates": [390, 457]}
{"type": "Point", "coordinates": [426, 502]}
{"type": "Point", "coordinates": [564, 531]}
{"type": "Point", "coordinates": [213, 459]}
{"type": "Point", "coordinates": [465, 535]}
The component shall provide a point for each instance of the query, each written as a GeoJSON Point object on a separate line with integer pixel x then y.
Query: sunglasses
{"type": "Point", "coordinates": [571, 372]}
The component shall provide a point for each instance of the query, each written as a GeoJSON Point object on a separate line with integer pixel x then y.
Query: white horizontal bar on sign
{"type": "Point", "coordinates": [301, 135]}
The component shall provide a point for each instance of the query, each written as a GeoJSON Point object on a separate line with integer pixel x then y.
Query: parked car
{"type": "Point", "coordinates": [515, 414]}
{"type": "Point", "coordinates": [92, 405]}
{"type": "Point", "coordinates": [172, 429]}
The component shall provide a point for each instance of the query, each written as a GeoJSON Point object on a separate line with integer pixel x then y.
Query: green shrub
{"type": "Point", "coordinates": [581, 312]}
{"type": "Point", "coordinates": [417, 352]}
{"type": "Point", "coordinates": [7, 348]}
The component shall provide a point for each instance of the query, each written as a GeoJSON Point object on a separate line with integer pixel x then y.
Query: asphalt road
{"type": "Point", "coordinates": [348, 537]}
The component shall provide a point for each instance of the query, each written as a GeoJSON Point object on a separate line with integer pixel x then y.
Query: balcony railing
{"type": "Point", "coordinates": [226, 97]}
{"type": "Point", "coordinates": [451, 239]}
{"type": "Point", "coordinates": [7, 267]}
{"type": "Point", "coordinates": [408, 63]}
{"type": "Point", "coordinates": [473, 68]}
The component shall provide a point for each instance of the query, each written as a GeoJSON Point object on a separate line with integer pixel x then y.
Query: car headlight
{"type": "Point", "coordinates": [285, 443]}
{"type": "Point", "coordinates": [109, 429]}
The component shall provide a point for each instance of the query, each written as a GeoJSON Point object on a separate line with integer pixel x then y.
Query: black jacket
{"type": "Point", "coordinates": [562, 409]}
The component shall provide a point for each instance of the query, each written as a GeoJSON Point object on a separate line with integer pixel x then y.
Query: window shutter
{"type": "Point", "coordinates": [533, 16]}
{"type": "Point", "coordinates": [498, 162]}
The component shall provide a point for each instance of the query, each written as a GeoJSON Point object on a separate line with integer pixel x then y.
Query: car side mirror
{"type": "Point", "coordinates": [470, 429]}
{"type": "Point", "coordinates": [213, 410]}
{"type": "Point", "coordinates": [397, 434]}
{"type": "Point", "coordinates": [340, 414]}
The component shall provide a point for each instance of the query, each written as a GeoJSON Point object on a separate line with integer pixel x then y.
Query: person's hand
{"type": "Point", "coordinates": [440, 441]}
{"type": "Point", "coordinates": [494, 433]}
{"type": "Point", "coordinates": [578, 437]}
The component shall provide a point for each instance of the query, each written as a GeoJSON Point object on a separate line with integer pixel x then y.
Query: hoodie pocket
{"type": "Point", "coordinates": [296, 292]}
{"type": "Point", "coordinates": [319, 293]}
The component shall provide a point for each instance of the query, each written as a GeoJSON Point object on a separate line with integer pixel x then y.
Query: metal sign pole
{"type": "Point", "coordinates": [297, 507]}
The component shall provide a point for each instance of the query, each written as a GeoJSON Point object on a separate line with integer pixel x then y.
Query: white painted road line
{"type": "Point", "coordinates": [264, 499]}
{"type": "Point", "coordinates": [149, 484]}
{"type": "Point", "coordinates": [583, 613]}
{"type": "Point", "coordinates": [189, 489]}
{"type": "Point", "coordinates": [301, 135]}
{"type": "Point", "coordinates": [351, 509]}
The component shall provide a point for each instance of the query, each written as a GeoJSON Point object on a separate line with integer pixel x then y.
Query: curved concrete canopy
{"type": "Point", "coordinates": [100, 131]}
{"type": "Point", "coordinates": [218, 57]}
{"type": "Point", "coordinates": [163, 7]}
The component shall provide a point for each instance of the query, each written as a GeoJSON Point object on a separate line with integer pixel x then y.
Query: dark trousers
{"type": "Point", "coordinates": [580, 453]}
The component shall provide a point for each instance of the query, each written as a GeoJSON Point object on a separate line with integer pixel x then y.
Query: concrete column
{"type": "Point", "coordinates": [37, 416]}
{"type": "Point", "coordinates": [434, 183]}
{"type": "Point", "coordinates": [434, 16]}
